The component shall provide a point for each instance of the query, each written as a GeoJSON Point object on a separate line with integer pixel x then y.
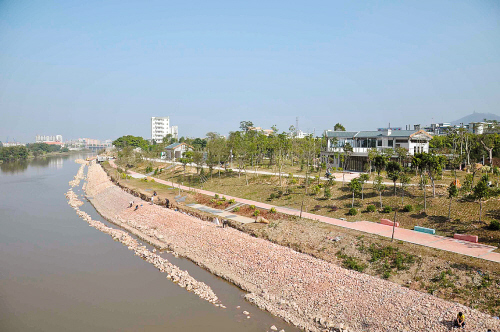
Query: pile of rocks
{"type": "Point", "coordinates": [182, 278]}
{"type": "Point", "coordinates": [308, 292]}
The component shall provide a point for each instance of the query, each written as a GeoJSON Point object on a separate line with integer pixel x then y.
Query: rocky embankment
{"type": "Point", "coordinates": [182, 278]}
{"type": "Point", "coordinates": [308, 292]}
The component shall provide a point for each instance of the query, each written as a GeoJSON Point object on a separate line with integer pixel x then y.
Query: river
{"type": "Point", "coordinates": [59, 274]}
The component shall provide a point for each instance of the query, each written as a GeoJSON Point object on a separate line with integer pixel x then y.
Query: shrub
{"type": "Point", "coordinates": [236, 209]}
{"type": "Point", "coordinates": [273, 210]}
{"type": "Point", "coordinates": [387, 209]}
{"type": "Point", "coordinates": [252, 207]}
{"type": "Point", "coordinates": [289, 190]}
{"type": "Point", "coordinates": [408, 208]}
{"type": "Point", "coordinates": [272, 196]}
{"type": "Point", "coordinates": [316, 190]}
{"type": "Point", "coordinates": [231, 201]}
{"type": "Point", "coordinates": [212, 201]}
{"type": "Point", "coordinates": [256, 213]}
{"type": "Point", "coordinates": [156, 172]}
{"type": "Point", "coordinates": [149, 169]}
{"type": "Point", "coordinates": [371, 208]}
{"type": "Point", "coordinates": [386, 274]}
{"type": "Point", "coordinates": [216, 196]}
{"type": "Point", "coordinates": [494, 225]}
{"type": "Point", "coordinates": [340, 169]}
{"type": "Point", "coordinates": [280, 193]}
{"type": "Point", "coordinates": [327, 193]}
{"type": "Point", "coordinates": [219, 203]}
{"type": "Point", "coordinates": [352, 212]}
{"type": "Point", "coordinates": [223, 198]}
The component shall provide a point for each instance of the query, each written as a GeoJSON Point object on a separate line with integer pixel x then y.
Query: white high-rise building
{"type": "Point", "coordinates": [160, 127]}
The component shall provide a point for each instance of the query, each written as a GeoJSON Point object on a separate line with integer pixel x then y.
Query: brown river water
{"type": "Point", "coordinates": [59, 274]}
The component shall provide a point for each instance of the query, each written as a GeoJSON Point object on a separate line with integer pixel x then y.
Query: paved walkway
{"type": "Point", "coordinates": [222, 214]}
{"type": "Point", "coordinates": [433, 241]}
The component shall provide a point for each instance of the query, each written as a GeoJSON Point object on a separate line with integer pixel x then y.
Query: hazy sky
{"type": "Point", "coordinates": [101, 69]}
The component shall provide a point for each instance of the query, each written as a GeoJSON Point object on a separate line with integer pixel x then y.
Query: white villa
{"type": "Point", "coordinates": [414, 141]}
{"type": "Point", "coordinates": [176, 150]}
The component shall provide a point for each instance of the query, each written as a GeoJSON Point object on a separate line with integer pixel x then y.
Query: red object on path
{"type": "Point", "coordinates": [388, 222]}
{"type": "Point", "coordinates": [465, 237]}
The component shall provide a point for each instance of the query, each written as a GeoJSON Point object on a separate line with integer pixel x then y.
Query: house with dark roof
{"type": "Point", "coordinates": [175, 150]}
{"type": "Point", "coordinates": [414, 141]}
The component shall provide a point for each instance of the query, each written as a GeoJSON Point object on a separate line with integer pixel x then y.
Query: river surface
{"type": "Point", "coordinates": [59, 274]}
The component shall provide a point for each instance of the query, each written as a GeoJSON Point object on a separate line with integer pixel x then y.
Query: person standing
{"type": "Point", "coordinates": [167, 203]}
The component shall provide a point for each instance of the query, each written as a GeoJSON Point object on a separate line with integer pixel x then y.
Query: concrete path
{"type": "Point", "coordinates": [222, 214]}
{"type": "Point", "coordinates": [433, 241]}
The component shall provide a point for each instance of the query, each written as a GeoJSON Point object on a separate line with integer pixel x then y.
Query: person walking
{"type": "Point", "coordinates": [131, 204]}
{"type": "Point", "coordinates": [136, 207]}
{"type": "Point", "coordinates": [167, 203]}
{"type": "Point", "coordinates": [152, 200]}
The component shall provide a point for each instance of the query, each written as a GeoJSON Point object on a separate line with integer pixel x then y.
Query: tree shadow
{"type": "Point", "coordinates": [419, 215]}
{"type": "Point", "coordinates": [438, 219]}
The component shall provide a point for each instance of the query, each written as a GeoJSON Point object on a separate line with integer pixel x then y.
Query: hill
{"type": "Point", "coordinates": [476, 117]}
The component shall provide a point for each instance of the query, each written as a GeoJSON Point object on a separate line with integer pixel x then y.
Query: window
{"type": "Point", "coordinates": [390, 143]}
{"type": "Point", "coordinates": [379, 142]}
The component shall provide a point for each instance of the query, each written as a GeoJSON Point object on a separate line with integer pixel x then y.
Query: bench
{"type": "Point", "coordinates": [388, 222]}
{"type": "Point", "coordinates": [424, 230]}
{"type": "Point", "coordinates": [465, 237]}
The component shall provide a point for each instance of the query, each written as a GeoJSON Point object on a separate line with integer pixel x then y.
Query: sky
{"type": "Point", "coordinates": [102, 69]}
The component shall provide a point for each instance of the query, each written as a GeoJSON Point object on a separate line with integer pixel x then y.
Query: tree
{"type": "Point", "coordinates": [402, 154]}
{"type": "Point", "coordinates": [393, 172]}
{"type": "Point", "coordinates": [246, 125]}
{"type": "Point", "coordinates": [187, 158]}
{"type": "Point", "coordinates": [129, 140]}
{"type": "Point", "coordinates": [496, 171]}
{"type": "Point", "coordinates": [372, 153]}
{"type": "Point", "coordinates": [198, 160]}
{"type": "Point", "coordinates": [362, 179]}
{"type": "Point", "coordinates": [404, 179]}
{"type": "Point", "coordinates": [379, 186]}
{"type": "Point", "coordinates": [380, 162]}
{"type": "Point", "coordinates": [339, 127]}
{"type": "Point", "coordinates": [488, 142]}
{"type": "Point", "coordinates": [481, 191]}
{"type": "Point", "coordinates": [355, 187]}
{"type": "Point", "coordinates": [345, 156]}
{"type": "Point", "coordinates": [452, 192]}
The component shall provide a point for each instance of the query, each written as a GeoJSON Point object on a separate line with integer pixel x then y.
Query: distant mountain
{"type": "Point", "coordinates": [476, 117]}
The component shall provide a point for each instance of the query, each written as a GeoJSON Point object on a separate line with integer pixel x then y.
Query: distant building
{"type": "Point", "coordinates": [160, 128]}
{"type": "Point", "coordinates": [48, 139]}
{"type": "Point", "coordinates": [9, 144]}
{"type": "Point", "coordinates": [266, 132]}
{"type": "Point", "coordinates": [415, 141]}
{"type": "Point", "coordinates": [176, 150]}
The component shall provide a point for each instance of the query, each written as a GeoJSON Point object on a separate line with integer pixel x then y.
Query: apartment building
{"type": "Point", "coordinates": [160, 128]}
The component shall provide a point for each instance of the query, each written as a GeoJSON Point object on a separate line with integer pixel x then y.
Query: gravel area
{"type": "Point", "coordinates": [306, 291]}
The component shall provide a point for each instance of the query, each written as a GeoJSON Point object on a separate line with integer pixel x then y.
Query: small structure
{"type": "Point", "coordinates": [176, 150]}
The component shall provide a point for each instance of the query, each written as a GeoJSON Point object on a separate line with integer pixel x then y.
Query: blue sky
{"type": "Point", "coordinates": [101, 69]}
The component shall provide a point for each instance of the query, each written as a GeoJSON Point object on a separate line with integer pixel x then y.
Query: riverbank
{"type": "Point", "coordinates": [306, 291]}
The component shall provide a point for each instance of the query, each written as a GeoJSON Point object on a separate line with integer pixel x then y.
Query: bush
{"type": "Point", "coordinates": [149, 169]}
{"type": "Point", "coordinates": [340, 169]}
{"type": "Point", "coordinates": [280, 193]}
{"type": "Point", "coordinates": [212, 201]}
{"type": "Point", "coordinates": [494, 225]}
{"type": "Point", "coordinates": [387, 209]}
{"type": "Point", "coordinates": [236, 209]}
{"type": "Point", "coordinates": [408, 208]}
{"type": "Point", "coordinates": [223, 198]}
{"type": "Point", "coordinates": [272, 196]}
{"type": "Point", "coordinates": [316, 190]}
{"type": "Point", "coordinates": [252, 207]}
{"type": "Point", "coordinates": [352, 212]}
{"type": "Point", "coordinates": [327, 193]}
{"type": "Point", "coordinates": [219, 203]}
{"type": "Point", "coordinates": [231, 201]}
{"type": "Point", "coordinates": [216, 196]}
{"type": "Point", "coordinates": [371, 208]}
{"type": "Point", "coordinates": [273, 210]}
{"type": "Point", "coordinates": [256, 213]}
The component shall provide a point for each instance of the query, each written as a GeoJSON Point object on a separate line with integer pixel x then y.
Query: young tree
{"type": "Point", "coordinates": [380, 162]}
{"type": "Point", "coordinates": [355, 187]}
{"type": "Point", "coordinates": [362, 179]}
{"type": "Point", "coordinates": [404, 179]}
{"type": "Point", "coordinates": [488, 142]}
{"type": "Point", "coordinates": [393, 172]}
{"type": "Point", "coordinates": [187, 158]}
{"type": "Point", "coordinates": [372, 153]}
{"type": "Point", "coordinates": [198, 160]}
{"type": "Point", "coordinates": [481, 191]}
{"type": "Point", "coordinates": [345, 156]}
{"type": "Point", "coordinates": [452, 192]}
{"type": "Point", "coordinates": [379, 186]}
